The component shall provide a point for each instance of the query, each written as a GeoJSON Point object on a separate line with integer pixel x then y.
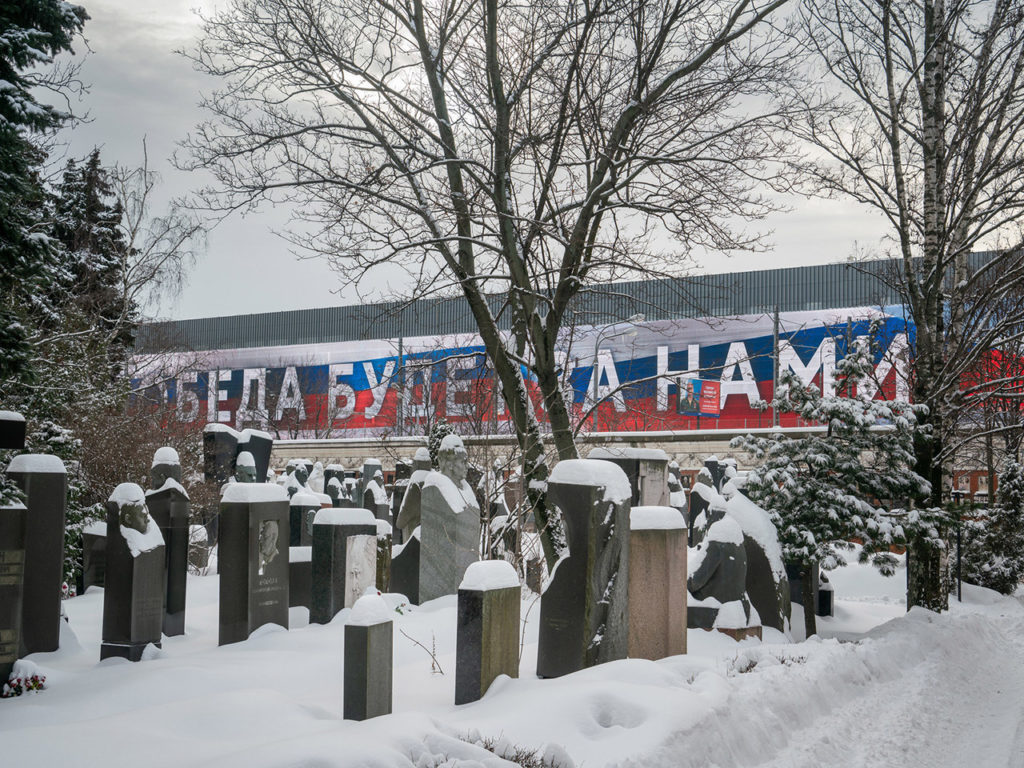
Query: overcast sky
{"type": "Point", "coordinates": [139, 87]}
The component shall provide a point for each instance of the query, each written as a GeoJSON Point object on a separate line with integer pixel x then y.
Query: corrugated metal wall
{"type": "Point", "coordinates": [817, 287]}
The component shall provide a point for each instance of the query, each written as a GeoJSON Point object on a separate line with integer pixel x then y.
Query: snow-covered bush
{"type": "Point", "coordinates": [993, 539]}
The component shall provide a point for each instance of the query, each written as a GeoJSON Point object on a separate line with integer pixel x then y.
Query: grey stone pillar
{"type": "Point", "coordinates": [344, 560]}
{"type": "Point", "coordinates": [369, 644]}
{"type": "Point", "coordinates": [12, 432]}
{"type": "Point", "coordinates": [646, 468]}
{"type": "Point", "coordinates": [300, 576]}
{"type": "Point", "coordinates": [385, 539]}
{"type": "Point", "coordinates": [169, 506]}
{"type": "Point", "coordinates": [12, 569]}
{"type": "Point", "coordinates": [133, 598]}
{"type": "Point", "coordinates": [45, 483]}
{"type": "Point", "coordinates": [253, 559]}
{"type": "Point", "coordinates": [487, 639]}
{"type": "Point", "coordinates": [584, 611]}
{"type": "Point", "coordinates": [657, 583]}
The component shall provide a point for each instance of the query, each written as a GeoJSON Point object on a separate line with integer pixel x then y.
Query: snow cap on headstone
{"type": "Point", "coordinates": [594, 472]}
{"type": "Point", "coordinates": [485, 575]}
{"type": "Point", "coordinates": [422, 454]}
{"type": "Point", "coordinates": [370, 610]}
{"type": "Point", "coordinates": [165, 455]}
{"type": "Point", "coordinates": [245, 459]}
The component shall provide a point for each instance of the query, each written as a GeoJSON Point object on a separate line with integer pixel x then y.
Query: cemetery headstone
{"type": "Point", "coordinates": [168, 503]}
{"type": "Point", "coordinates": [245, 468]}
{"type": "Point", "coordinates": [375, 498]}
{"type": "Point", "coordinates": [259, 445]}
{"type": "Point", "coordinates": [646, 468]}
{"type": "Point", "coordinates": [344, 560]}
{"type": "Point", "coordinates": [403, 472]}
{"type": "Point", "coordinates": [405, 567]}
{"type": "Point", "coordinates": [487, 638]}
{"type": "Point", "coordinates": [300, 576]}
{"type": "Point", "coordinates": [449, 523]}
{"type": "Point", "coordinates": [303, 507]}
{"type": "Point", "coordinates": [13, 525]}
{"type": "Point", "coordinates": [220, 446]}
{"type": "Point", "coordinates": [676, 491]}
{"type": "Point", "coordinates": [369, 661]}
{"type": "Point", "coordinates": [826, 597]}
{"type": "Point", "coordinates": [253, 559]}
{"type": "Point", "coordinates": [584, 609]}
{"type": "Point", "coordinates": [409, 512]}
{"type": "Point", "coordinates": [12, 432]}
{"type": "Point", "coordinates": [385, 541]}
{"type": "Point", "coordinates": [94, 555]}
{"type": "Point", "coordinates": [657, 583]}
{"type": "Point", "coordinates": [370, 468]}
{"type": "Point", "coordinates": [316, 478]}
{"type": "Point", "coordinates": [133, 596]}
{"type": "Point", "coordinates": [43, 480]}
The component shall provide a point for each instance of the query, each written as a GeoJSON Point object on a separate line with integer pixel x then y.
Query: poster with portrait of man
{"type": "Point", "coordinates": [689, 396]}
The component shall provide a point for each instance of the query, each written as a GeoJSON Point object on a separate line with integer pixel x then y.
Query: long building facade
{"type": "Point", "coordinates": [659, 355]}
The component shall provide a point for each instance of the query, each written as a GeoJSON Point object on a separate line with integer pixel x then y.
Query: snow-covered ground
{"type": "Point", "coordinates": [896, 689]}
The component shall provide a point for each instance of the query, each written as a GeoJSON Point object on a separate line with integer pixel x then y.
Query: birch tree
{"type": "Point", "coordinates": [916, 110]}
{"type": "Point", "coordinates": [511, 152]}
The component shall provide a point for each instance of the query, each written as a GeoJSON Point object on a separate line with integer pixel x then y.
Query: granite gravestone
{"type": "Point", "coordinates": [826, 597]}
{"type": "Point", "coordinates": [168, 504]}
{"type": "Point", "coordinates": [344, 560]}
{"type": "Point", "coordinates": [334, 491]}
{"type": "Point", "coordinates": [44, 482]}
{"type": "Point", "coordinates": [133, 598]}
{"type": "Point", "coordinates": [403, 472]}
{"type": "Point", "coordinates": [220, 446]}
{"type": "Point", "coordinates": [408, 518]}
{"type": "Point", "coordinates": [584, 610]}
{"type": "Point", "coordinates": [13, 525]}
{"type": "Point", "coordinates": [245, 468]}
{"type": "Point", "coordinates": [375, 497]}
{"type": "Point", "coordinates": [370, 468]}
{"type": "Point", "coordinates": [385, 541]}
{"type": "Point", "coordinates": [657, 583]}
{"type": "Point", "coordinates": [487, 635]}
{"type": "Point", "coordinates": [676, 491]}
{"type": "Point", "coordinates": [302, 507]}
{"type": "Point", "coordinates": [449, 523]}
{"type": "Point", "coordinates": [257, 444]}
{"type": "Point", "coordinates": [253, 559]}
{"type": "Point", "coordinates": [646, 468]}
{"type": "Point", "coordinates": [369, 644]}
{"type": "Point", "coordinates": [94, 556]}
{"type": "Point", "coordinates": [12, 432]}
{"type": "Point", "coordinates": [405, 568]}
{"type": "Point", "coordinates": [300, 576]}
{"type": "Point", "coordinates": [718, 579]}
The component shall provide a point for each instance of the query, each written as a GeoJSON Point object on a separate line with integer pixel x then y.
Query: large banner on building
{"type": "Point", "coordinates": [662, 375]}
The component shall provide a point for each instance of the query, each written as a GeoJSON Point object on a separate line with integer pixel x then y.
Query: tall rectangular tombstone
{"type": "Point", "coordinates": [133, 598]}
{"type": "Point", "coordinates": [344, 560]}
{"type": "Point", "coordinates": [253, 559]}
{"type": "Point", "coordinates": [12, 567]}
{"type": "Point", "coordinates": [44, 481]}
{"type": "Point", "coordinates": [584, 610]}
{"type": "Point", "coordinates": [369, 660]}
{"type": "Point", "coordinates": [487, 636]}
{"type": "Point", "coordinates": [169, 506]}
{"type": "Point", "coordinates": [657, 583]}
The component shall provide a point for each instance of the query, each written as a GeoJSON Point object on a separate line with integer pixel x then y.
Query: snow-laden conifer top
{"type": "Point", "coordinates": [344, 516]}
{"type": "Point", "coordinates": [627, 452]}
{"type": "Point", "coordinates": [485, 575]}
{"type": "Point", "coordinates": [370, 610]}
{"type": "Point", "coordinates": [37, 462]}
{"type": "Point", "coordinates": [165, 455]}
{"type": "Point", "coordinates": [594, 473]}
{"type": "Point", "coordinates": [11, 416]}
{"type": "Point", "coordinates": [304, 499]}
{"type": "Point", "coordinates": [245, 459]}
{"type": "Point", "coordinates": [655, 519]}
{"type": "Point", "coordinates": [251, 493]}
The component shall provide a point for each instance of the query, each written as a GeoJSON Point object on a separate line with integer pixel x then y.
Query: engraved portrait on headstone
{"type": "Point", "coordinates": [268, 544]}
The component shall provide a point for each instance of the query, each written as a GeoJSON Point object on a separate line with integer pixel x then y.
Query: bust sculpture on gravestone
{"type": "Point", "coordinates": [270, 533]}
{"type": "Point", "coordinates": [245, 468]}
{"type": "Point", "coordinates": [449, 523]}
{"type": "Point", "coordinates": [718, 570]}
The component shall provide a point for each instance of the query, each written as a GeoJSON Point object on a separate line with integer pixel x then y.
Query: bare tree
{"type": "Point", "coordinates": [920, 115]}
{"type": "Point", "coordinates": [513, 152]}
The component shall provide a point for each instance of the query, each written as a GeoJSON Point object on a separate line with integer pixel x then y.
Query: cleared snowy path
{"type": "Point", "coordinates": [925, 690]}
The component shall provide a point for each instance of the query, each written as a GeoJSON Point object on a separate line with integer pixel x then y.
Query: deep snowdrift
{"type": "Point", "coordinates": [920, 689]}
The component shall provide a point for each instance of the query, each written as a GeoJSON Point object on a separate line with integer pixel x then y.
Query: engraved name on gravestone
{"type": "Point", "coordinates": [43, 480]}
{"type": "Point", "coordinates": [253, 554]}
{"type": "Point", "coordinates": [133, 598]}
{"type": "Point", "coordinates": [584, 609]}
{"type": "Point", "coordinates": [449, 523]}
{"type": "Point", "coordinates": [168, 503]}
